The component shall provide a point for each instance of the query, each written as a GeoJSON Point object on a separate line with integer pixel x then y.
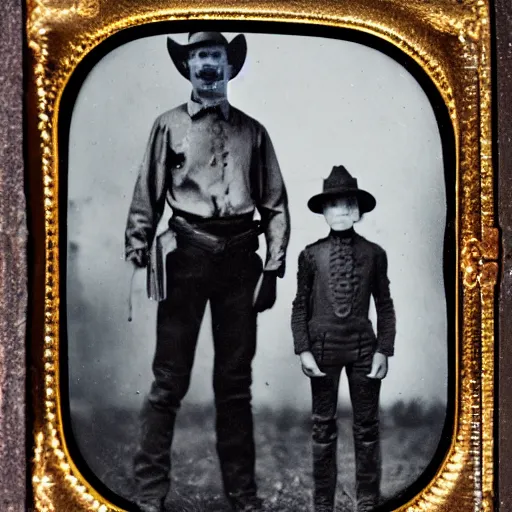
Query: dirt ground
{"type": "Point", "coordinates": [107, 440]}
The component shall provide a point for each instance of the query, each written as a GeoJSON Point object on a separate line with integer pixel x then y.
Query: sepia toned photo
{"type": "Point", "coordinates": [257, 311]}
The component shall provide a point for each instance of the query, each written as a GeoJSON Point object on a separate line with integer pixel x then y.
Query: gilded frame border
{"type": "Point", "coordinates": [450, 40]}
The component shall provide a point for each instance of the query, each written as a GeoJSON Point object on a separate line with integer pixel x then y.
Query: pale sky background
{"type": "Point", "coordinates": [324, 102]}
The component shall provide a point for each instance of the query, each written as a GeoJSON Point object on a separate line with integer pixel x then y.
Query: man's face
{"type": "Point", "coordinates": [341, 212]}
{"type": "Point", "coordinates": [209, 71]}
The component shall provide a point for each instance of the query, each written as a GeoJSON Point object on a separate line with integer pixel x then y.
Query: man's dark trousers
{"type": "Point", "coordinates": [364, 395]}
{"type": "Point", "coordinates": [195, 277]}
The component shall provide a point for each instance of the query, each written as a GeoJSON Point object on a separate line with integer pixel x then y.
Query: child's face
{"type": "Point", "coordinates": [341, 212]}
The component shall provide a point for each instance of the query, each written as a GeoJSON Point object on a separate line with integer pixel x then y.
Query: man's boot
{"type": "Point", "coordinates": [247, 504]}
{"type": "Point", "coordinates": [150, 507]}
{"type": "Point", "coordinates": [235, 447]}
{"type": "Point", "coordinates": [152, 462]}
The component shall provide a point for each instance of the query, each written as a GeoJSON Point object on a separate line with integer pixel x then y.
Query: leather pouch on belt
{"type": "Point", "coordinates": [164, 244]}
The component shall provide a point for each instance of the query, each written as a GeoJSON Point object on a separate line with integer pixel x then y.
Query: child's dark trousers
{"type": "Point", "coordinates": [364, 395]}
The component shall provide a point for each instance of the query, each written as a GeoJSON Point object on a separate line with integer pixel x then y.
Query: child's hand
{"type": "Point", "coordinates": [379, 366]}
{"type": "Point", "coordinates": [309, 366]}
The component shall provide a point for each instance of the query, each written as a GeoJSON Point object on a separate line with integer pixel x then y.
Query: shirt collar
{"type": "Point", "coordinates": [195, 108]}
{"type": "Point", "coordinates": [345, 234]}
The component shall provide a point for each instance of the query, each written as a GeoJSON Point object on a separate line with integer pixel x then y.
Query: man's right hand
{"type": "Point", "coordinates": [309, 366]}
{"type": "Point", "coordinates": [139, 258]}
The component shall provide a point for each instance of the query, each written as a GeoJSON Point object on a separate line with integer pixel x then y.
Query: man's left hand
{"type": "Point", "coordinates": [379, 366]}
{"type": "Point", "coordinates": [265, 297]}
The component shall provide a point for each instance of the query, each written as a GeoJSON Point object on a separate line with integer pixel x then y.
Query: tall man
{"type": "Point", "coordinates": [214, 165]}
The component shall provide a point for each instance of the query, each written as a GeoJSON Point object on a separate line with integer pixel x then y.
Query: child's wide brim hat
{"type": "Point", "coordinates": [236, 50]}
{"type": "Point", "coordinates": [341, 184]}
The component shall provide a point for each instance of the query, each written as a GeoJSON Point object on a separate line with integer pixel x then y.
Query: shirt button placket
{"type": "Point", "coordinates": [218, 145]}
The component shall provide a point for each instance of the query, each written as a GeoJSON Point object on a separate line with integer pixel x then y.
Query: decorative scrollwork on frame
{"type": "Point", "coordinates": [451, 42]}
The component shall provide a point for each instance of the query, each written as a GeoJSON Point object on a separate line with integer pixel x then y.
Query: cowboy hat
{"type": "Point", "coordinates": [236, 50]}
{"type": "Point", "coordinates": [341, 184]}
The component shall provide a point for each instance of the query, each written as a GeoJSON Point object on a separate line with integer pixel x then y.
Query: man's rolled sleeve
{"type": "Point", "coordinates": [148, 199]}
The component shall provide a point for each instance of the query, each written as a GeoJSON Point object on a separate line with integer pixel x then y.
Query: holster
{"type": "Point", "coordinates": [156, 282]}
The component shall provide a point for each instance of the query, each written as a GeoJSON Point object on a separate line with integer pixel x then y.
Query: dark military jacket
{"type": "Point", "coordinates": [212, 163]}
{"type": "Point", "coordinates": [336, 277]}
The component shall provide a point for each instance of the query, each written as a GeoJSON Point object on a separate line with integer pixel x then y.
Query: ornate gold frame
{"type": "Point", "coordinates": [450, 40]}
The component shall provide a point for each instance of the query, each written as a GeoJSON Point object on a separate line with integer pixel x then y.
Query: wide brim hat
{"type": "Point", "coordinates": [236, 50]}
{"type": "Point", "coordinates": [341, 184]}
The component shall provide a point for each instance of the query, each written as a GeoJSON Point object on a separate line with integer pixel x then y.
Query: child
{"type": "Point", "coordinates": [331, 330]}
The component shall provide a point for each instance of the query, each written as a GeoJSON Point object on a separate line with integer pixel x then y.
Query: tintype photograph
{"type": "Point", "coordinates": [256, 310]}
